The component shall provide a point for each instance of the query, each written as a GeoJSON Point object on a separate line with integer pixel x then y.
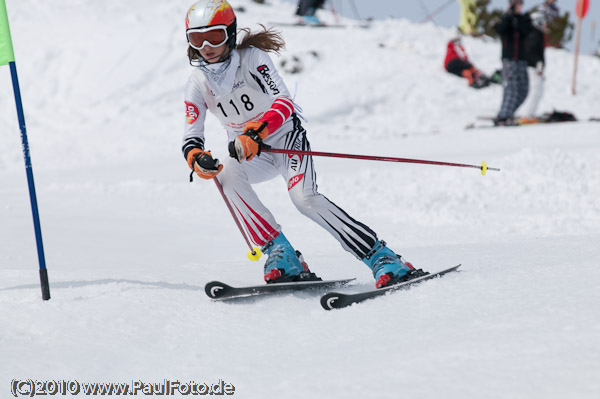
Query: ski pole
{"type": "Point", "coordinates": [254, 253]}
{"type": "Point", "coordinates": [437, 11]}
{"type": "Point", "coordinates": [484, 168]}
{"type": "Point", "coordinates": [267, 148]}
{"type": "Point", "coordinates": [207, 162]}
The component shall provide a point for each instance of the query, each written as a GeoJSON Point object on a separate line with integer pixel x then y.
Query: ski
{"type": "Point", "coordinates": [218, 290]}
{"type": "Point", "coordinates": [336, 300]}
{"type": "Point", "coordinates": [518, 122]}
{"type": "Point", "coordinates": [319, 25]}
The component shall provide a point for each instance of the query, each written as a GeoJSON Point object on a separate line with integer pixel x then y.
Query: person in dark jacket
{"type": "Point", "coordinates": [307, 10]}
{"type": "Point", "coordinates": [513, 28]}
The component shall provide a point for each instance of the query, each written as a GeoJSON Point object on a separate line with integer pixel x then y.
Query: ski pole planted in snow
{"type": "Point", "coordinates": [254, 253]}
{"type": "Point", "coordinates": [7, 57]}
{"type": "Point", "coordinates": [484, 168]}
{"type": "Point", "coordinates": [207, 162]}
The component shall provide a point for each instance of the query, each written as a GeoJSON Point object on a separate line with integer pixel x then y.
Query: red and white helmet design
{"type": "Point", "coordinates": [205, 13]}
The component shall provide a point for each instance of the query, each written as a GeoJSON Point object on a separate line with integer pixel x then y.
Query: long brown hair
{"type": "Point", "coordinates": [267, 40]}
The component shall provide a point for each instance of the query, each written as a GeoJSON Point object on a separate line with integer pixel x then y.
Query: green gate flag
{"type": "Point", "coordinates": [6, 49]}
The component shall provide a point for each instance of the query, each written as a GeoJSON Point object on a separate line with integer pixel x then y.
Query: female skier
{"type": "Point", "coordinates": [239, 84]}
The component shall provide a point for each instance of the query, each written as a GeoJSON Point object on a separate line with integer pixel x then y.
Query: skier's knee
{"type": "Point", "coordinates": [302, 201]}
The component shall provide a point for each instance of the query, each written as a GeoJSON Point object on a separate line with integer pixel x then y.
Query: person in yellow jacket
{"type": "Point", "coordinates": [468, 17]}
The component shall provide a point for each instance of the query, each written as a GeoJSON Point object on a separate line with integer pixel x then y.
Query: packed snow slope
{"type": "Point", "coordinates": [130, 242]}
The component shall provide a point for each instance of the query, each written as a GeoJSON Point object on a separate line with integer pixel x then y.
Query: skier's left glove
{"type": "Point", "coordinates": [203, 163]}
{"type": "Point", "coordinates": [248, 145]}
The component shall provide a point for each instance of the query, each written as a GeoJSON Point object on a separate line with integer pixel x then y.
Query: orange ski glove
{"type": "Point", "coordinates": [203, 163]}
{"type": "Point", "coordinates": [247, 145]}
{"type": "Point", "coordinates": [257, 127]}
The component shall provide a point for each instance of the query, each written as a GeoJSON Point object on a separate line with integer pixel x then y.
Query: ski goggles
{"type": "Point", "coordinates": [214, 36]}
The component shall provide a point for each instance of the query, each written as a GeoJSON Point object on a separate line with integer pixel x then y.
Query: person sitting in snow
{"type": "Point", "coordinates": [239, 84]}
{"type": "Point", "coordinates": [457, 62]}
{"type": "Point", "coordinates": [513, 28]}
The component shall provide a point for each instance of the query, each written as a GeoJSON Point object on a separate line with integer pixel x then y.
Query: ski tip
{"type": "Point", "coordinates": [328, 301]}
{"type": "Point", "coordinates": [215, 289]}
{"type": "Point", "coordinates": [450, 269]}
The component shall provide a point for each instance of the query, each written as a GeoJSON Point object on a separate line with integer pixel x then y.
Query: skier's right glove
{"type": "Point", "coordinates": [203, 163]}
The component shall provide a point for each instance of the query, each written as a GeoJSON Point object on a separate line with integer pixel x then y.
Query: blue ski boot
{"type": "Point", "coordinates": [310, 20]}
{"type": "Point", "coordinates": [389, 268]}
{"type": "Point", "coordinates": [285, 264]}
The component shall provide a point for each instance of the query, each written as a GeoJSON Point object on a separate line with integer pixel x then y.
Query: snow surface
{"type": "Point", "coordinates": [130, 242]}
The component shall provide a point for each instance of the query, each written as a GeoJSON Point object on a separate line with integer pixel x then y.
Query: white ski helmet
{"type": "Point", "coordinates": [539, 18]}
{"type": "Point", "coordinates": [206, 15]}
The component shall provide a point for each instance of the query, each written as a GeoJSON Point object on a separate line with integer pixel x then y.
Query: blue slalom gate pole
{"type": "Point", "coordinates": [7, 57]}
{"type": "Point", "coordinates": [32, 196]}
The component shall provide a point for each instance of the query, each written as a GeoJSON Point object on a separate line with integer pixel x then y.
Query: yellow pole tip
{"type": "Point", "coordinates": [254, 254]}
{"type": "Point", "coordinates": [483, 168]}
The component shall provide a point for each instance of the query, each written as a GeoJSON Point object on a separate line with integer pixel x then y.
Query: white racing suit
{"type": "Point", "coordinates": [258, 93]}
